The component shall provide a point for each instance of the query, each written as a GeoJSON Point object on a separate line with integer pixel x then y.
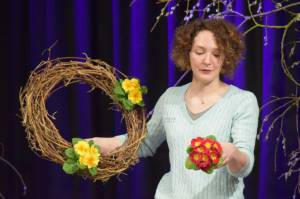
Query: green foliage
{"type": "Point", "coordinates": [91, 142]}
{"type": "Point", "coordinates": [81, 166]}
{"type": "Point", "coordinates": [220, 163]}
{"type": "Point", "coordinates": [144, 89]}
{"type": "Point", "coordinates": [118, 90]}
{"type": "Point", "coordinates": [93, 171]}
{"type": "Point", "coordinates": [189, 149]}
{"type": "Point", "coordinates": [212, 137]}
{"type": "Point", "coordinates": [75, 140]}
{"type": "Point", "coordinates": [127, 104]}
{"type": "Point", "coordinates": [70, 168]}
{"type": "Point", "coordinates": [210, 170]}
{"type": "Point", "coordinates": [189, 164]}
{"type": "Point", "coordinates": [70, 153]}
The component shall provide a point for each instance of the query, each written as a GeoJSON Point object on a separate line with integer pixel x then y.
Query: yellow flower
{"type": "Point", "coordinates": [135, 83]}
{"type": "Point", "coordinates": [135, 96]}
{"type": "Point", "coordinates": [91, 158]}
{"type": "Point", "coordinates": [130, 85]}
{"type": "Point", "coordinates": [94, 150]}
{"type": "Point", "coordinates": [81, 147]}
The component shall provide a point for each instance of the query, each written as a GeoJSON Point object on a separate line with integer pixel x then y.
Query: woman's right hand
{"type": "Point", "coordinates": [106, 145]}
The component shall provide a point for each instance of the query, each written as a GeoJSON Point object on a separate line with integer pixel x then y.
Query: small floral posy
{"type": "Point", "coordinates": [83, 155]}
{"type": "Point", "coordinates": [205, 154]}
{"type": "Point", "coordinates": [130, 93]}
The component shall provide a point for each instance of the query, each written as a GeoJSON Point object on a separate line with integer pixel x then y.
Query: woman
{"type": "Point", "coordinates": [207, 105]}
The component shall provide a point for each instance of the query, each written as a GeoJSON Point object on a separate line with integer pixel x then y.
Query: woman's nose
{"type": "Point", "coordinates": [207, 59]}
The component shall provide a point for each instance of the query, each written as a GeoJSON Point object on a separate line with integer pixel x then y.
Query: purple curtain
{"type": "Point", "coordinates": [120, 35]}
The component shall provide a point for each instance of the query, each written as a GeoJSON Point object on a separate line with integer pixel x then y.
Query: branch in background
{"type": "Point", "coordinates": [16, 172]}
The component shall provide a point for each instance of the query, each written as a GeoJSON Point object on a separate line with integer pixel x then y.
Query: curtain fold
{"type": "Point", "coordinates": [120, 34]}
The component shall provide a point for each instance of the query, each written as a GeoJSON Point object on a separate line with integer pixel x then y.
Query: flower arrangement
{"type": "Point", "coordinates": [81, 156]}
{"type": "Point", "coordinates": [205, 154]}
{"type": "Point", "coordinates": [130, 93]}
{"type": "Point", "coordinates": [46, 140]}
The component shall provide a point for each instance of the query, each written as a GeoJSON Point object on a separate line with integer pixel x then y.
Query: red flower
{"type": "Point", "coordinates": [204, 153]}
{"type": "Point", "coordinates": [208, 143]}
{"type": "Point", "coordinates": [214, 157]}
{"type": "Point", "coordinates": [195, 157]}
{"type": "Point", "coordinates": [200, 149]}
{"type": "Point", "coordinates": [204, 162]}
{"type": "Point", "coordinates": [196, 142]}
{"type": "Point", "coordinates": [217, 148]}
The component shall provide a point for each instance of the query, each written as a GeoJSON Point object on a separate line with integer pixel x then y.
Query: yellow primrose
{"type": "Point", "coordinates": [135, 96]}
{"type": "Point", "coordinates": [81, 147]}
{"type": "Point", "coordinates": [89, 159]}
{"type": "Point", "coordinates": [135, 83]}
{"type": "Point", "coordinates": [130, 85]}
{"type": "Point", "coordinates": [94, 150]}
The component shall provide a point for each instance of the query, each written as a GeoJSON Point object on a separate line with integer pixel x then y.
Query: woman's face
{"type": "Point", "coordinates": [205, 58]}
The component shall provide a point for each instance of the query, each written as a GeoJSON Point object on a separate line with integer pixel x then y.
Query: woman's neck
{"type": "Point", "coordinates": [204, 89]}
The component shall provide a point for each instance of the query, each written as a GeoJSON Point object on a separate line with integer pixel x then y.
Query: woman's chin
{"type": "Point", "coordinates": [206, 79]}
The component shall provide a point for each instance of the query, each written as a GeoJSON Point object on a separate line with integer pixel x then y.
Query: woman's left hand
{"type": "Point", "coordinates": [229, 151]}
{"type": "Point", "coordinates": [233, 157]}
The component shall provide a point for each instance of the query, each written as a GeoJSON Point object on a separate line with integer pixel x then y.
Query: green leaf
{"type": "Point", "coordinates": [91, 142]}
{"type": "Point", "coordinates": [98, 147]}
{"type": "Point", "coordinates": [189, 164]}
{"type": "Point", "coordinates": [141, 104]}
{"type": "Point", "coordinates": [118, 90]}
{"type": "Point", "coordinates": [93, 171]}
{"type": "Point", "coordinates": [81, 166]}
{"type": "Point", "coordinates": [75, 140]}
{"type": "Point", "coordinates": [71, 161]}
{"type": "Point", "coordinates": [70, 168]}
{"type": "Point", "coordinates": [189, 149]}
{"type": "Point", "coordinates": [118, 83]}
{"type": "Point", "coordinates": [220, 163]}
{"type": "Point", "coordinates": [144, 89]}
{"type": "Point", "coordinates": [70, 153]}
{"type": "Point", "coordinates": [210, 170]}
{"type": "Point", "coordinates": [127, 104]}
{"type": "Point", "coordinates": [211, 137]}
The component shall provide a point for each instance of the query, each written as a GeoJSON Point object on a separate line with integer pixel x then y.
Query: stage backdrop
{"type": "Point", "coordinates": [113, 31]}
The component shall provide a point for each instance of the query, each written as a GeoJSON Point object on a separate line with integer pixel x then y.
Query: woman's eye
{"type": "Point", "coordinates": [216, 55]}
{"type": "Point", "coordinates": [199, 53]}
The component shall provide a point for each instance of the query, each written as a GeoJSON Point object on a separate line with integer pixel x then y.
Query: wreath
{"type": "Point", "coordinates": [45, 139]}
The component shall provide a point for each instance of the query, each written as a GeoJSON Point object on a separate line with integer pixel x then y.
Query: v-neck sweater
{"type": "Point", "coordinates": [234, 119]}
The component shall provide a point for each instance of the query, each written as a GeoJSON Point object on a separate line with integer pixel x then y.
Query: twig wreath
{"type": "Point", "coordinates": [45, 139]}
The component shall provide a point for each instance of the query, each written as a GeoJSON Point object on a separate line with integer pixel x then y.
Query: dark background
{"type": "Point", "coordinates": [113, 31]}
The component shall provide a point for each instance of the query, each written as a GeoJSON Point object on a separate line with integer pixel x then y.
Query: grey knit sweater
{"type": "Point", "coordinates": [232, 119]}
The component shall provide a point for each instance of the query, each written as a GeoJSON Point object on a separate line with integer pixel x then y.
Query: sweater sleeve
{"type": "Point", "coordinates": [244, 130]}
{"type": "Point", "coordinates": [155, 131]}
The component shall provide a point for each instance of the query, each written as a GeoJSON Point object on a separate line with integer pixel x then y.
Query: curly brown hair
{"type": "Point", "coordinates": [228, 39]}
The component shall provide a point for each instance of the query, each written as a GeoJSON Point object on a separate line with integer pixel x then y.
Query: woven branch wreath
{"type": "Point", "coordinates": [44, 138]}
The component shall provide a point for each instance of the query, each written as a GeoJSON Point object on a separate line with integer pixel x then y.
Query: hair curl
{"type": "Point", "coordinates": [228, 39]}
